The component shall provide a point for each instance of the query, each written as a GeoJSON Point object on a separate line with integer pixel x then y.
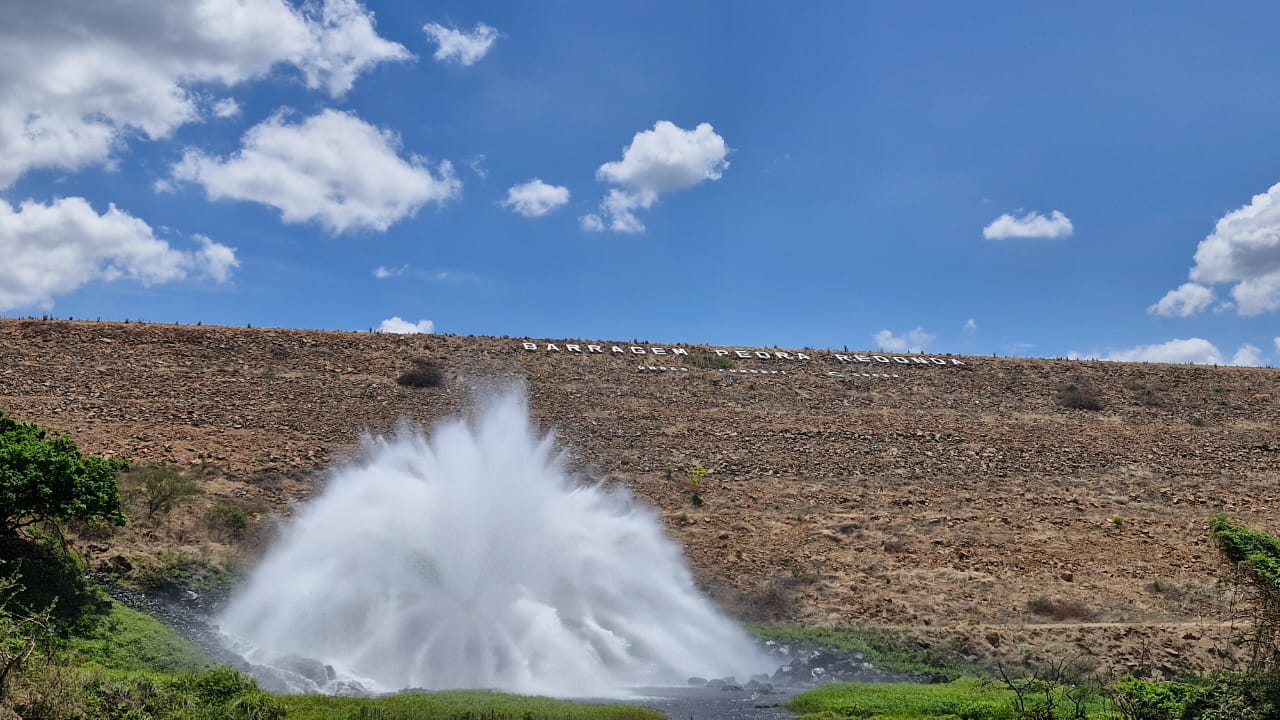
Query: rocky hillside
{"type": "Point", "coordinates": [1011, 503]}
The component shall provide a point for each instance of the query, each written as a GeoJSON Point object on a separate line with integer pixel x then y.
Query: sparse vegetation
{"type": "Point", "coordinates": [886, 649]}
{"type": "Point", "coordinates": [228, 516]}
{"type": "Point", "coordinates": [709, 360]}
{"type": "Point", "coordinates": [1079, 397]}
{"type": "Point", "coordinates": [173, 572]}
{"type": "Point", "coordinates": [1061, 610]}
{"type": "Point", "coordinates": [697, 474]}
{"type": "Point", "coordinates": [425, 373]}
{"type": "Point", "coordinates": [161, 488]}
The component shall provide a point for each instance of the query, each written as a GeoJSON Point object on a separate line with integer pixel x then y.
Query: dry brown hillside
{"type": "Point", "coordinates": [963, 500]}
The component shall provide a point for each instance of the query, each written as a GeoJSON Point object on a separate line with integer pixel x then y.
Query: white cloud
{"type": "Point", "coordinates": [226, 108]}
{"type": "Point", "coordinates": [54, 249]}
{"type": "Point", "coordinates": [1191, 350]}
{"type": "Point", "coordinates": [1187, 300]}
{"type": "Point", "coordinates": [535, 198]}
{"type": "Point", "coordinates": [463, 48]}
{"type": "Point", "coordinates": [591, 222]}
{"type": "Point", "coordinates": [78, 79]}
{"type": "Point", "coordinates": [403, 327]}
{"type": "Point", "coordinates": [1196, 351]}
{"type": "Point", "coordinates": [1029, 225]}
{"type": "Point", "coordinates": [333, 168]}
{"type": "Point", "coordinates": [664, 159]}
{"type": "Point", "coordinates": [1244, 251]}
{"type": "Point", "coordinates": [911, 341]}
{"type": "Point", "coordinates": [382, 273]}
{"type": "Point", "coordinates": [971, 326]}
{"type": "Point", "coordinates": [1248, 356]}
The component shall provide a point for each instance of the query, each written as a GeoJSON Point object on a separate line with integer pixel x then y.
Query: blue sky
{"type": "Point", "coordinates": [1016, 178]}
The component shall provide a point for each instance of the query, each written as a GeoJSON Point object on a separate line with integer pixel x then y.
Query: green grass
{"type": "Point", "coordinates": [884, 649]}
{"type": "Point", "coordinates": [129, 640]}
{"type": "Point", "coordinates": [456, 705]}
{"type": "Point", "coordinates": [966, 699]}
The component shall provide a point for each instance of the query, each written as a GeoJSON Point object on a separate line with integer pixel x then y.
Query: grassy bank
{"type": "Point", "coordinates": [456, 705]}
{"type": "Point", "coordinates": [965, 699]}
{"type": "Point", "coordinates": [129, 640]}
{"type": "Point", "coordinates": [884, 649]}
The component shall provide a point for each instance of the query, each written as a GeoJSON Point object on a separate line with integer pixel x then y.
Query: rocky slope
{"type": "Point", "coordinates": [962, 498]}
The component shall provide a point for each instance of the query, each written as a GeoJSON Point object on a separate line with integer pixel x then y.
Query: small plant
{"type": "Point", "coordinates": [1116, 520]}
{"type": "Point", "coordinates": [425, 373]}
{"type": "Point", "coordinates": [696, 475]}
{"type": "Point", "coordinates": [230, 516]}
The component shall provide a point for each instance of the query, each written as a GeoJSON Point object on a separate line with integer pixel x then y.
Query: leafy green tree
{"type": "Point", "coordinates": [45, 477]}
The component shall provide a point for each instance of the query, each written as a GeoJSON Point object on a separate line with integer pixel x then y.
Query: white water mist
{"type": "Point", "coordinates": [473, 559]}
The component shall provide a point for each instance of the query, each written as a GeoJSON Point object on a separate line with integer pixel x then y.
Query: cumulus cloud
{"type": "Point", "coordinates": [1248, 356]}
{"type": "Point", "coordinates": [535, 198]}
{"type": "Point", "coordinates": [1196, 351]}
{"type": "Point", "coordinates": [77, 79]}
{"type": "Point", "coordinates": [226, 108]}
{"type": "Point", "coordinates": [54, 249]}
{"type": "Point", "coordinates": [404, 327]}
{"type": "Point", "coordinates": [1184, 301]}
{"type": "Point", "coordinates": [382, 273]}
{"type": "Point", "coordinates": [911, 341]}
{"type": "Point", "coordinates": [971, 326]}
{"type": "Point", "coordinates": [1029, 225]}
{"type": "Point", "coordinates": [665, 159]}
{"type": "Point", "coordinates": [458, 46]}
{"type": "Point", "coordinates": [591, 222]}
{"type": "Point", "coordinates": [1244, 251]}
{"type": "Point", "coordinates": [357, 181]}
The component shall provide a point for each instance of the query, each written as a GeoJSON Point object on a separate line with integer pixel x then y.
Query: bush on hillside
{"type": "Point", "coordinates": [1078, 397]}
{"type": "Point", "coordinates": [162, 488]}
{"type": "Point", "coordinates": [425, 373]}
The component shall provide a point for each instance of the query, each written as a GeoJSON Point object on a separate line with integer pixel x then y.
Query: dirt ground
{"type": "Point", "coordinates": [962, 499]}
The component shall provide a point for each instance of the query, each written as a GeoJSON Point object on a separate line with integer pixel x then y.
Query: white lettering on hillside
{"type": "Point", "coordinates": [764, 355]}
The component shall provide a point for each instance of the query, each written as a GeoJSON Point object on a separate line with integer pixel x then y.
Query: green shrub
{"type": "Point", "coordinates": [51, 579]}
{"type": "Point", "coordinates": [44, 477]}
{"type": "Point", "coordinates": [230, 516]}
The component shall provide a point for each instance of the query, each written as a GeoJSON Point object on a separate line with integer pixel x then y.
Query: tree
{"type": "Point", "coordinates": [45, 477]}
{"type": "Point", "coordinates": [163, 487]}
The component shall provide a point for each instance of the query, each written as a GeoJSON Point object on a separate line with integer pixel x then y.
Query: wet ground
{"type": "Point", "coordinates": [704, 703]}
{"type": "Point", "coordinates": [719, 699]}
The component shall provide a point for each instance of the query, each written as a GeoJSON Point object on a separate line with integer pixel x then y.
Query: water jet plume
{"type": "Point", "coordinates": [472, 558]}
